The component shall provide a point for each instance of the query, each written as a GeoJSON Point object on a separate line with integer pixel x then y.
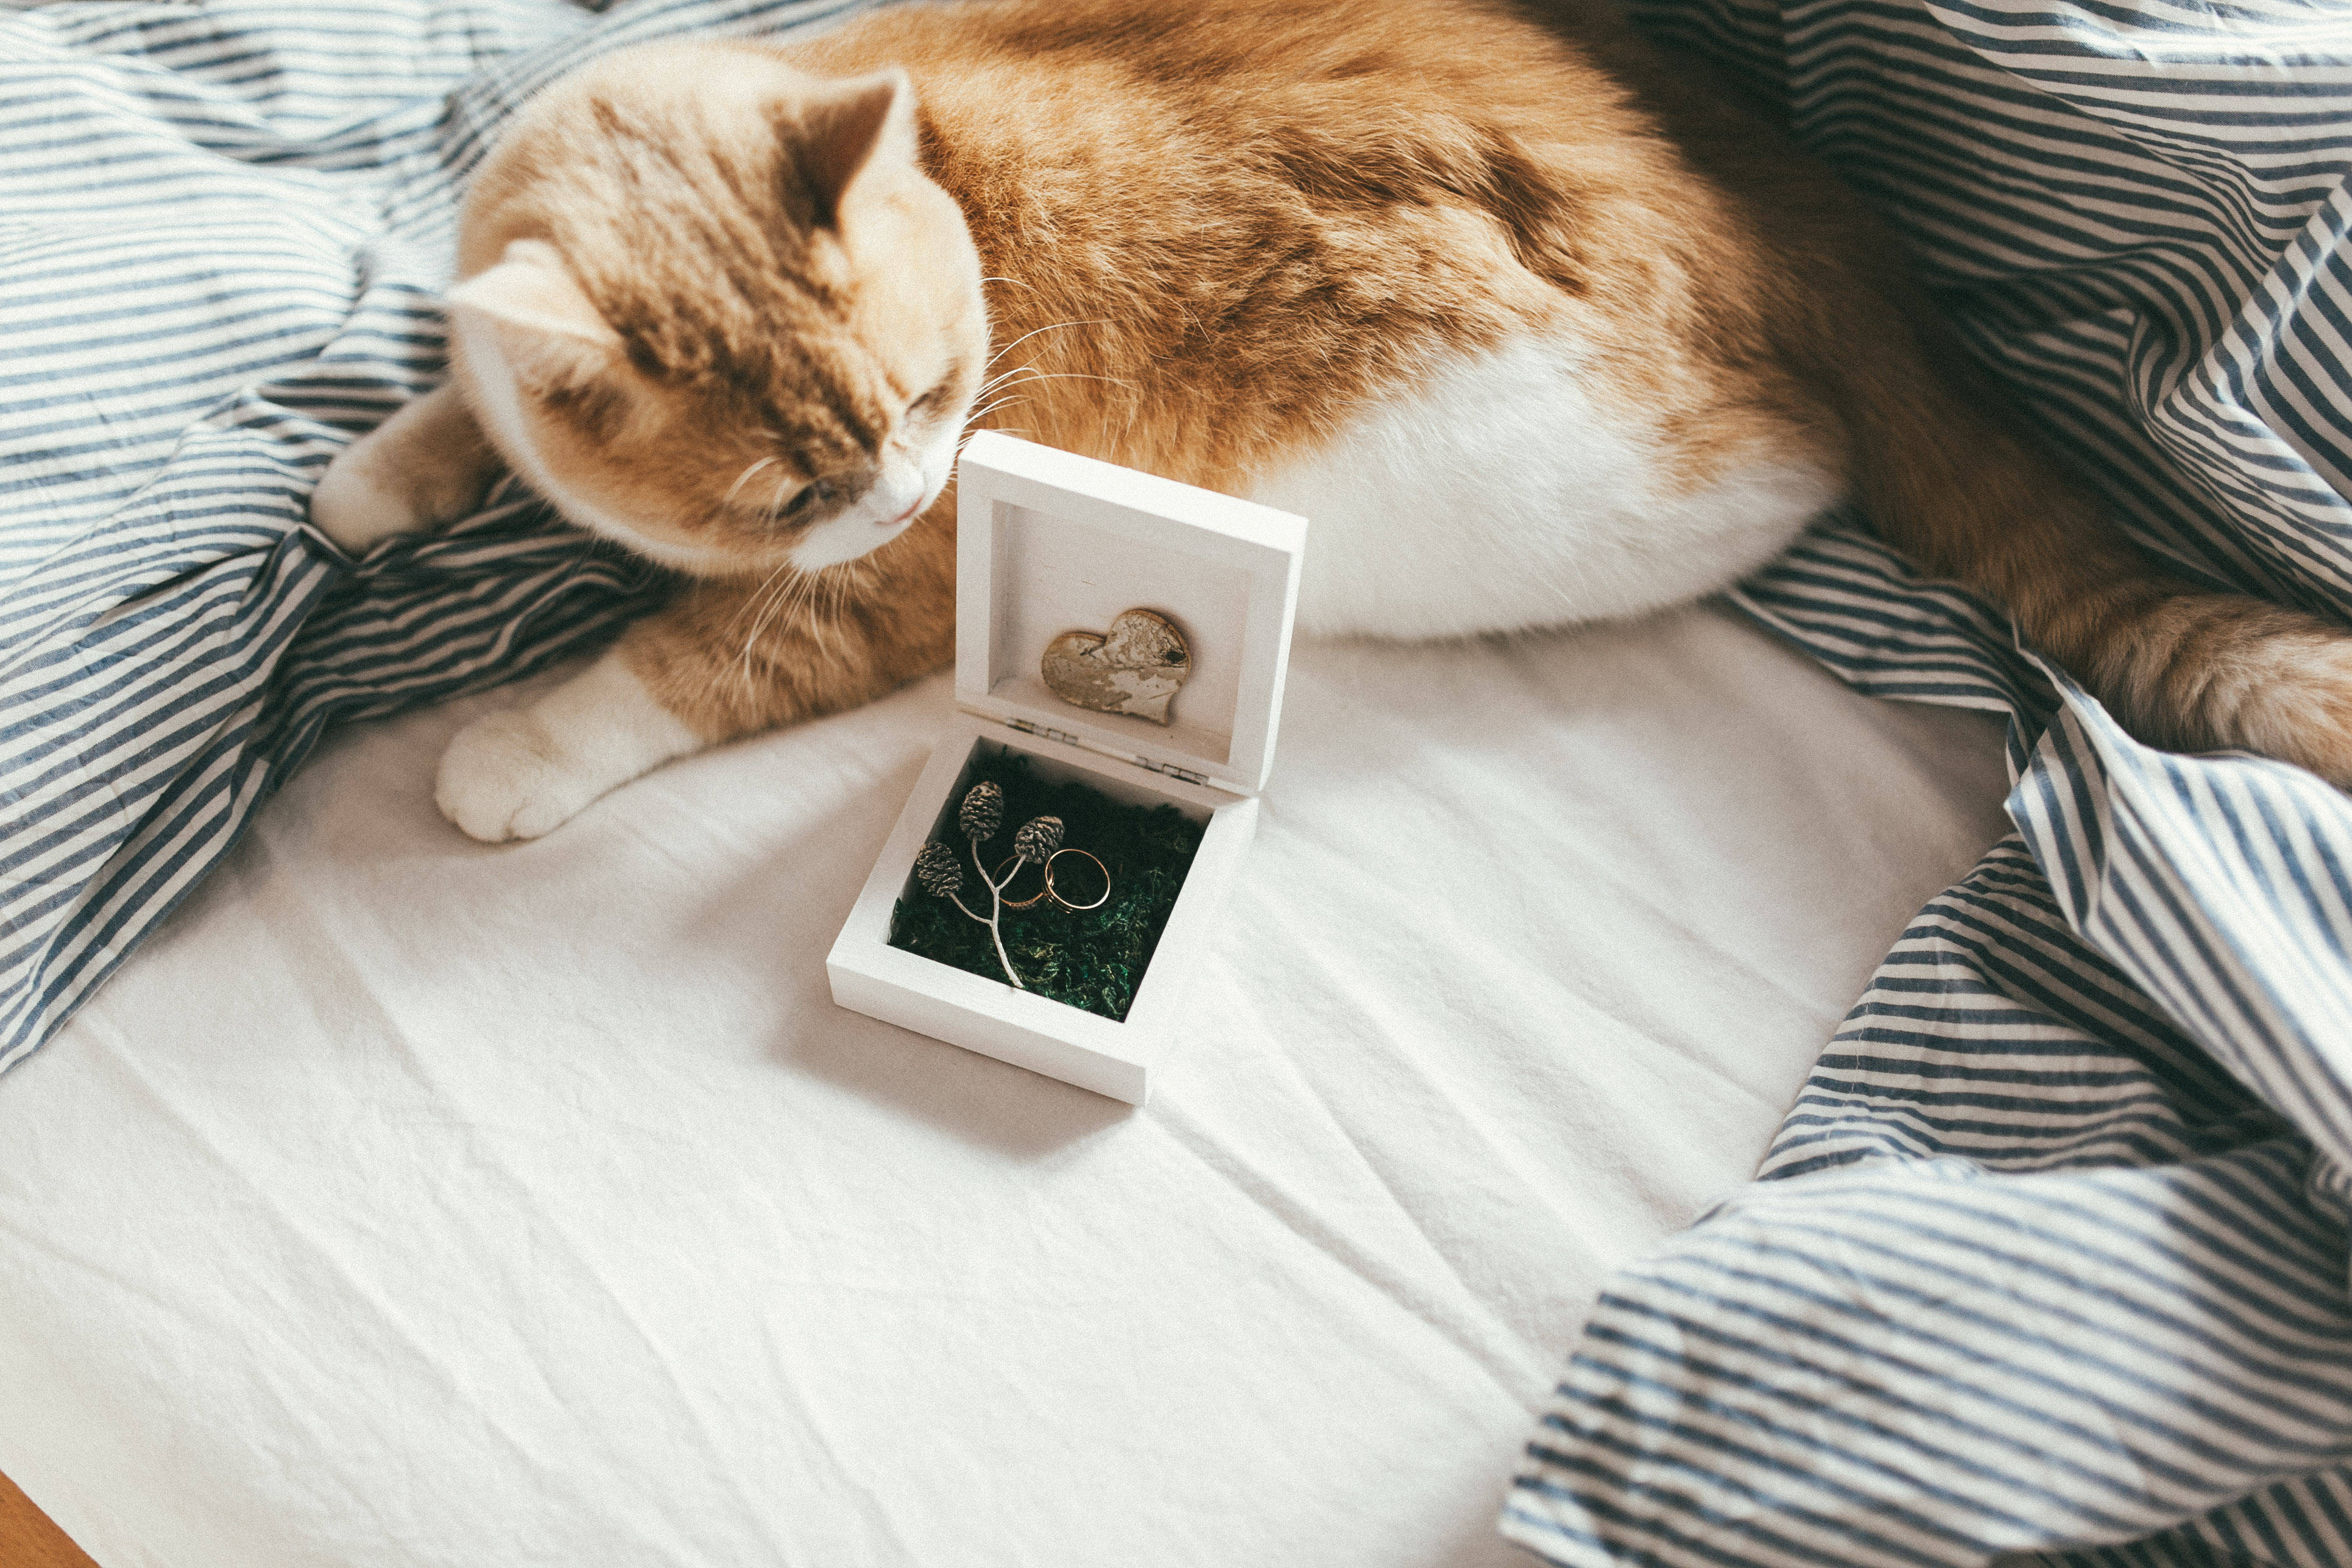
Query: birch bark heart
{"type": "Point", "coordinates": [1136, 666]}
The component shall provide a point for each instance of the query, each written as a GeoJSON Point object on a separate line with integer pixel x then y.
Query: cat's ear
{"type": "Point", "coordinates": [848, 127]}
{"type": "Point", "coordinates": [543, 319]}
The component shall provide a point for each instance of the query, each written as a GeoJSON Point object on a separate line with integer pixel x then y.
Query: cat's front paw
{"type": "Point", "coordinates": [355, 509]}
{"type": "Point", "coordinates": [425, 466]}
{"type": "Point", "coordinates": [508, 776]}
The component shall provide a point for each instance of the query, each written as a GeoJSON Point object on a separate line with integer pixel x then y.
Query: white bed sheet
{"type": "Point", "coordinates": [411, 1202]}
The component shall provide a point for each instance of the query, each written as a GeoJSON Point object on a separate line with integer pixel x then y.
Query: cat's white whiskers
{"type": "Point", "coordinates": [756, 594]}
{"type": "Point", "coordinates": [745, 478]}
{"type": "Point", "coordinates": [1057, 326]}
{"type": "Point", "coordinates": [795, 587]}
{"type": "Point", "coordinates": [984, 412]}
{"type": "Point", "coordinates": [1074, 375]}
{"type": "Point", "coordinates": [994, 382]}
{"type": "Point", "coordinates": [1009, 378]}
{"type": "Point", "coordinates": [836, 585]}
{"type": "Point", "coordinates": [856, 577]}
{"type": "Point", "coordinates": [808, 608]}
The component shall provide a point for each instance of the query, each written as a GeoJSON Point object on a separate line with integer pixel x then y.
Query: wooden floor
{"type": "Point", "coordinates": [27, 1538]}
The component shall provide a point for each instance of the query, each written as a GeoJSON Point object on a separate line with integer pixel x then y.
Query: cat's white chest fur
{"type": "Point", "coordinates": [1505, 492]}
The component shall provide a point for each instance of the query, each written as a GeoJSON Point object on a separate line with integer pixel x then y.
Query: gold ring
{"type": "Point", "coordinates": [1054, 893]}
{"type": "Point", "coordinates": [1017, 861]}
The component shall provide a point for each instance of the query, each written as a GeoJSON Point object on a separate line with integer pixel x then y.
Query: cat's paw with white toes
{"type": "Point", "coordinates": [424, 467]}
{"type": "Point", "coordinates": [354, 509]}
{"type": "Point", "coordinates": [507, 776]}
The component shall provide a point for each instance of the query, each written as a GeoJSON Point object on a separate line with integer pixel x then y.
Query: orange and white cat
{"type": "Point", "coordinates": [1535, 324]}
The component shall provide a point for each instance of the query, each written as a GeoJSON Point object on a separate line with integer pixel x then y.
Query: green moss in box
{"type": "Point", "coordinates": [1093, 959]}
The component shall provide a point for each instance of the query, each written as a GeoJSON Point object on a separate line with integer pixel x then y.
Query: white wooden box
{"type": "Point", "coordinates": [1047, 542]}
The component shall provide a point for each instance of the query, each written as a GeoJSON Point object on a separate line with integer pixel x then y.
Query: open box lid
{"type": "Point", "coordinates": [1048, 542]}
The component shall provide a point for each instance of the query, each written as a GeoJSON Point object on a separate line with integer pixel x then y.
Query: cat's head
{"type": "Point", "coordinates": [717, 312]}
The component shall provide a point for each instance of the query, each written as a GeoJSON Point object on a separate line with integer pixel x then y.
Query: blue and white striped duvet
{"type": "Point", "coordinates": [2051, 1252]}
{"type": "Point", "coordinates": [222, 231]}
{"type": "Point", "coordinates": [2050, 1256]}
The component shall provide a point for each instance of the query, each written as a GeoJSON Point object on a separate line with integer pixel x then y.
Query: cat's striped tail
{"type": "Point", "coordinates": [2193, 670]}
{"type": "Point", "coordinates": [1952, 480]}
{"type": "Point", "coordinates": [1948, 471]}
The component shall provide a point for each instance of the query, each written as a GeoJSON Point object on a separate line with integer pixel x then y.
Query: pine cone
{"type": "Point", "coordinates": [983, 811]}
{"type": "Point", "coordinates": [939, 870]}
{"type": "Point", "coordinates": [1038, 838]}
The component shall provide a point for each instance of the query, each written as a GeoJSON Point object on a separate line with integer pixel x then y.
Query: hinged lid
{"type": "Point", "coordinates": [1048, 542]}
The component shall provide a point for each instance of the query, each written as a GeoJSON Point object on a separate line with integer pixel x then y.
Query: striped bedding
{"type": "Point", "coordinates": [2051, 1254]}
{"type": "Point", "coordinates": [222, 230]}
{"type": "Point", "coordinates": [2050, 1259]}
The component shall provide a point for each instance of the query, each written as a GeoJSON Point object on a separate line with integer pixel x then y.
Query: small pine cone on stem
{"type": "Point", "coordinates": [939, 870]}
{"type": "Point", "coordinates": [983, 811]}
{"type": "Point", "coordinates": [1038, 838]}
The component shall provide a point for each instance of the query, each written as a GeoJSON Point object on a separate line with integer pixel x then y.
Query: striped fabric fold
{"type": "Point", "coordinates": [2048, 1264]}
{"type": "Point", "coordinates": [2049, 1261]}
{"type": "Point", "coordinates": [223, 231]}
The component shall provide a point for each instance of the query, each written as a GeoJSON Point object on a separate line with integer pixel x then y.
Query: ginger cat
{"type": "Point", "coordinates": [1534, 325]}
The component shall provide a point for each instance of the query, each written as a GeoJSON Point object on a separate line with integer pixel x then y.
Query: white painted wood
{"type": "Point", "coordinates": [1048, 542]}
{"type": "Point", "coordinates": [870, 976]}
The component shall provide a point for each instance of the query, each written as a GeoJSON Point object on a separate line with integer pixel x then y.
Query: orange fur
{"type": "Point", "coordinates": [1200, 240]}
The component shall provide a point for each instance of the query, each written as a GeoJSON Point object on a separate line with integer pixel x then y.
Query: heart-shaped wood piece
{"type": "Point", "coordinates": [1133, 667]}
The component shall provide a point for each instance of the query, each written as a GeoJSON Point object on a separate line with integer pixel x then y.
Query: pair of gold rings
{"type": "Point", "coordinates": [1050, 893]}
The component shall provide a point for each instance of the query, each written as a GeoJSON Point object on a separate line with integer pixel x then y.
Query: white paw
{"type": "Point", "coordinates": [507, 776]}
{"type": "Point", "coordinates": [352, 509]}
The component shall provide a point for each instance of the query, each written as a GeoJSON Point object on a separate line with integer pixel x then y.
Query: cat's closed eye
{"type": "Point", "coordinates": [813, 494]}
{"type": "Point", "coordinates": [934, 402]}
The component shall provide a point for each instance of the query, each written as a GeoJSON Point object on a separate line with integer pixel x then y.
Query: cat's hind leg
{"type": "Point", "coordinates": [426, 466]}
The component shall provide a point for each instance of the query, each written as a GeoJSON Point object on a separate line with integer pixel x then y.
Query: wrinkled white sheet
{"type": "Point", "coordinates": [412, 1201]}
